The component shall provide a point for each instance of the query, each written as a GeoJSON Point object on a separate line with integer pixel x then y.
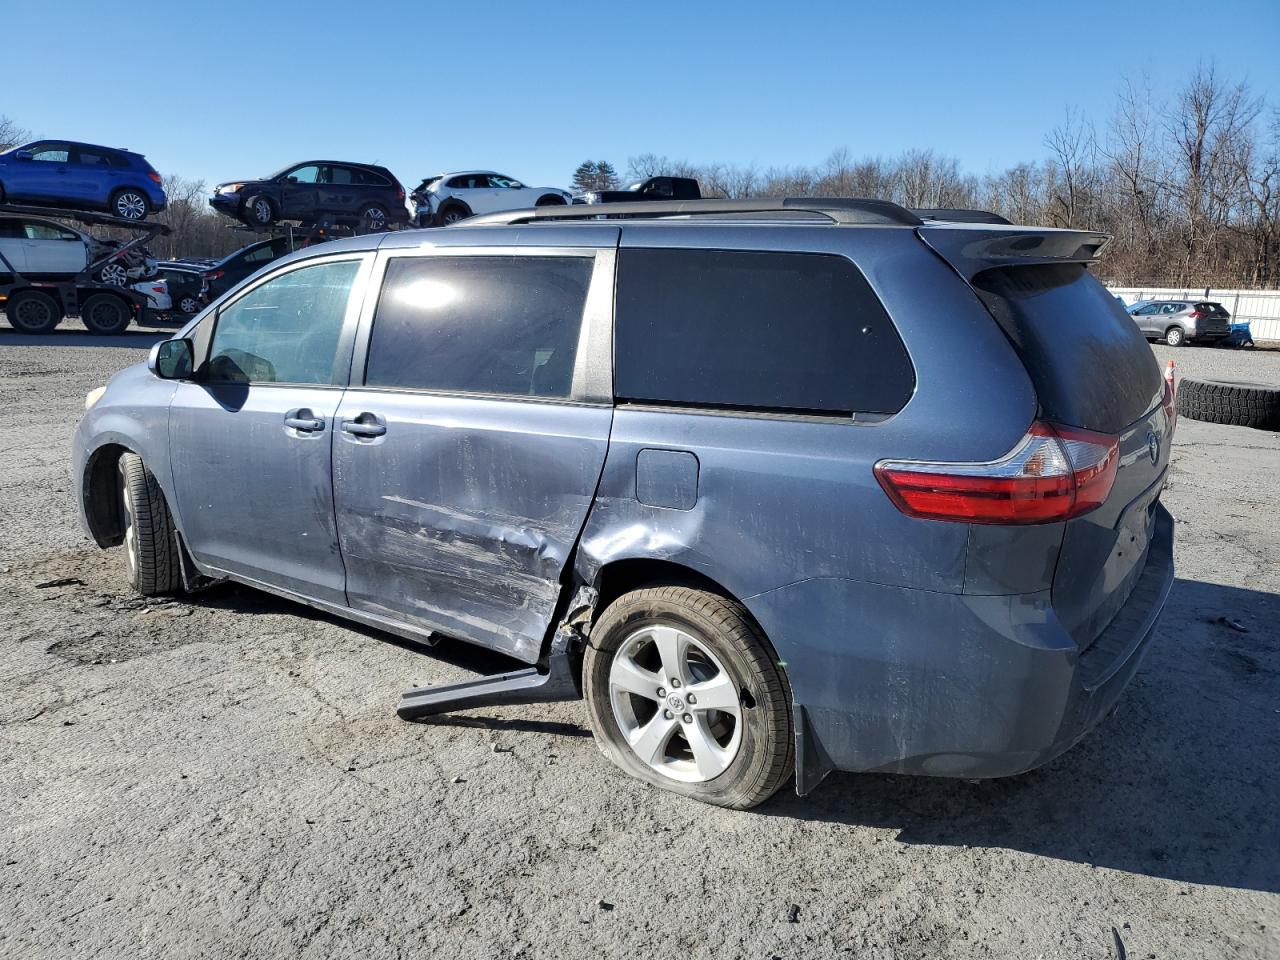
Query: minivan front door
{"type": "Point", "coordinates": [250, 437]}
{"type": "Point", "coordinates": [466, 462]}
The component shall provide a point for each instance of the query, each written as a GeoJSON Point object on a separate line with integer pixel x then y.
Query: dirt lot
{"type": "Point", "coordinates": [226, 777]}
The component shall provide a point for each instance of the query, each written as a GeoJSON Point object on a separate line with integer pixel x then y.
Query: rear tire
{"type": "Point", "coordinates": [105, 314]}
{"type": "Point", "coordinates": [151, 549]}
{"type": "Point", "coordinates": [130, 204]}
{"type": "Point", "coordinates": [716, 646]}
{"type": "Point", "coordinates": [1174, 337]}
{"type": "Point", "coordinates": [33, 312]}
{"type": "Point", "coordinates": [1254, 405]}
{"type": "Point", "coordinates": [188, 305]}
{"type": "Point", "coordinates": [452, 213]}
{"type": "Point", "coordinates": [373, 219]}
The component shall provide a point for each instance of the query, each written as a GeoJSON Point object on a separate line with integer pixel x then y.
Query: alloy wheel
{"type": "Point", "coordinates": [114, 274]}
{"type": "Point", "coordinates": [131, 206]}
{"type": "Point", "coordinates": [676, 705]}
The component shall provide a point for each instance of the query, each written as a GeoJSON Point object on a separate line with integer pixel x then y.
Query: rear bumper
{"type": "Point", "coordinates": [911, 681]}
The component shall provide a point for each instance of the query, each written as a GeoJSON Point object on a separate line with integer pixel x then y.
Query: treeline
{"type": "Point", "coordinates": [1190, 187]}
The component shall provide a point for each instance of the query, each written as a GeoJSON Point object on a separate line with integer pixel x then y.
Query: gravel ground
{"type": "Point", "coordinates": [226, 777]}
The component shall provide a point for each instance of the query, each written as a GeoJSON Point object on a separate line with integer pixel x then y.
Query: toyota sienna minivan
{"type": "Point", "coordinates": [777, 487]}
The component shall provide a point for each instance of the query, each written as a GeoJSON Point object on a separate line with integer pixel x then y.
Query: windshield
{"type": "Point", "coordinates": [635, 187]}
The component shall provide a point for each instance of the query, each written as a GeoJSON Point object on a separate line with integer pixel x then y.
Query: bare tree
{"type": "Point", "coordinates": [11, 134]}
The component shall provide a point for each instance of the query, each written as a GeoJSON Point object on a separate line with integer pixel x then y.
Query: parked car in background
{"type": "Point", "coordinates": [156, 291]}
{"type": "Point", "coordinates": [187, 287]}
{"type": "Point", "coordinates": [354, 194]}
{"type": "Point", "coordinates": [81, 176]}
{"type": "Point", "coordinates": [449, 197]}
{"type": "Point", "coordinates": [224, 274]}
{"type": "Point", "coordinates": [531, 437]}
{"type": "Point", "coordinates": [655, 188]}
{"type": "Point", "coordinates": [1179, 322]}
{"type": "Point", "coordinates": [36, 247]}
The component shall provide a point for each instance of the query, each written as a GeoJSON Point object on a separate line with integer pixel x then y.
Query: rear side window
{"type": "Point", "coordinates": [1090, 365]}
{"type": "Point", "coordinates": [491, 325]}
{"type": "Point", "coordinates": [753, 330]}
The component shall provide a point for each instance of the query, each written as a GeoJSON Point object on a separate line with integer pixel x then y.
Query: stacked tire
{"type": "Point", "coordinates": [1241, 404]}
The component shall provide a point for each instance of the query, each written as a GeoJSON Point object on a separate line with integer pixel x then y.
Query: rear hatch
{"type": "Point", "coordinates": [1212, 319]}
{"type": "Point", "coordinates": [1091, 369]}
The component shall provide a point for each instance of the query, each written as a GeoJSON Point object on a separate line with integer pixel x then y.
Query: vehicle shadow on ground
{"type": "Point", "coordinates": [1181, 782]}
{"type": "Point", "coordinates": [135, 339]}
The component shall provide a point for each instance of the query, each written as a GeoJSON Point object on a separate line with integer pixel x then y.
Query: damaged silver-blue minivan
{"type": "Point", "coordinates": [778, 487]}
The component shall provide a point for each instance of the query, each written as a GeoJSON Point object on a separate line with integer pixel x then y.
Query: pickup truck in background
{"type": "Point", "coordinates": [655, 188]}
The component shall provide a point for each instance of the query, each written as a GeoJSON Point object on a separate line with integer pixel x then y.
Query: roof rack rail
{"type": "Point", "coordinates": [959, 215]}
{"type": "Point", "coordinates": [840, 210]}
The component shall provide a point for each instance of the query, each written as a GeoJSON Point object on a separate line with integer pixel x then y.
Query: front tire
{"type": "Point", "coordinates": [550, 200]}
{"type": "Point", "coordinates": [130, 205]}
{"type": "Point", "coordinates": [1174, 337]}
{"type": "Point", "coordinates": [684, 692]}
{"type": "Point", "coordinates": [151, 550]}
{"type": "Point", "coordinates": [259, 211]}
{"type": "Point", "coordinates": [114, 275]}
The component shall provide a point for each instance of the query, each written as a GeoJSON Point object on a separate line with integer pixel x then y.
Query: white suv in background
{"type": "Point", "coordinates": [450, 197]}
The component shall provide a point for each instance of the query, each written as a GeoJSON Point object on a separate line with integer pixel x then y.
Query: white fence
{"type": "Point", "coordinates": [1259, 308]}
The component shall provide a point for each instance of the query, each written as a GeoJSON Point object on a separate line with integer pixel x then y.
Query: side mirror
{"type": "Point", "coordinates": [23, 155]}
{"type": "Point", "coordinates": [517, 185]}
{"type": "Point", "coordinates": [290, 179]}
{"type": "Point", "coordinates": [171, 359]}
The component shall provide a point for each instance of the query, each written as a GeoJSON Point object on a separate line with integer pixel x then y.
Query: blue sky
{"type": "Point", "coordinates": [237, 89]}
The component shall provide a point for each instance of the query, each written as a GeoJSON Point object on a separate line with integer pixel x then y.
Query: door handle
{"type": "Point", "coordinates": [365, 425]}
{"type": "Point", "coordinates": [303, 420]}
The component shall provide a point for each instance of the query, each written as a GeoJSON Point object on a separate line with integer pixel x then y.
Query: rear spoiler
{"type": "Point", "coordinates": [970, 249]}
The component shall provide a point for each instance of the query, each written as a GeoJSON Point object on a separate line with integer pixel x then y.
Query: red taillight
{"type": "Point", "coordinates": [213, 275]}
{"type": "Point", "coordinates": [1054, 473]}
{"type": "Point", "coordinates": [1198, 314]}
{"type": "Point", "coordinates": [155, 176]}
{"type": "Point", "coordinates": [400, 190]}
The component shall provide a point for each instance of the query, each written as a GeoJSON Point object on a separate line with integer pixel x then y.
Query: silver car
{"type": "Point", "coordinates": [819, 489]}
{"type": "Point", "coordinates": [1179, 322]}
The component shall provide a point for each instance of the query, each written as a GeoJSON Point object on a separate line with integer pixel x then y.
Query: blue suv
{"type": "Point", "coordinates": [82, 176]}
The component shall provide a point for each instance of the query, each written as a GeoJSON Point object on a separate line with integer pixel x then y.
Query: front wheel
{"type": "Point", "coordinates": [684, 692]}
{"type": "Point", "coordinates": [114, 274]}
{"type": "Point", "coordinates": [150, 548]}
{"type": "Point", "coordinates": [1174, 337]}
{"type": "Point", "coordinates": [258, 211]}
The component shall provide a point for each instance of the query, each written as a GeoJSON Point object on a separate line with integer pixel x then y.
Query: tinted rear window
{"type": "Point", "coordinates": [753, 330]}
{"type": "Point", "coordinates": [1091, 366]}
{"type": "Point", "coordinates": [492, 325]}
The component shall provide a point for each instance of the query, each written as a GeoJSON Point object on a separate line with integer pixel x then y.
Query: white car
{"type": "Point", "coordinates": [157, 294]}
{"type": "Point", "coordinates": [450, 197]}
{"type": "Point", "coordinates": [42, 248]}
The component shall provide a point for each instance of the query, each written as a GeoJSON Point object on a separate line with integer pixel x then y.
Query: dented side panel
{"type": "Point", "coordinates": [462, 518]}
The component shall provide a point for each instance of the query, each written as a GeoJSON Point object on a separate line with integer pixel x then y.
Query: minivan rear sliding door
{"type": "Point", "coordinates": [467, 459]}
